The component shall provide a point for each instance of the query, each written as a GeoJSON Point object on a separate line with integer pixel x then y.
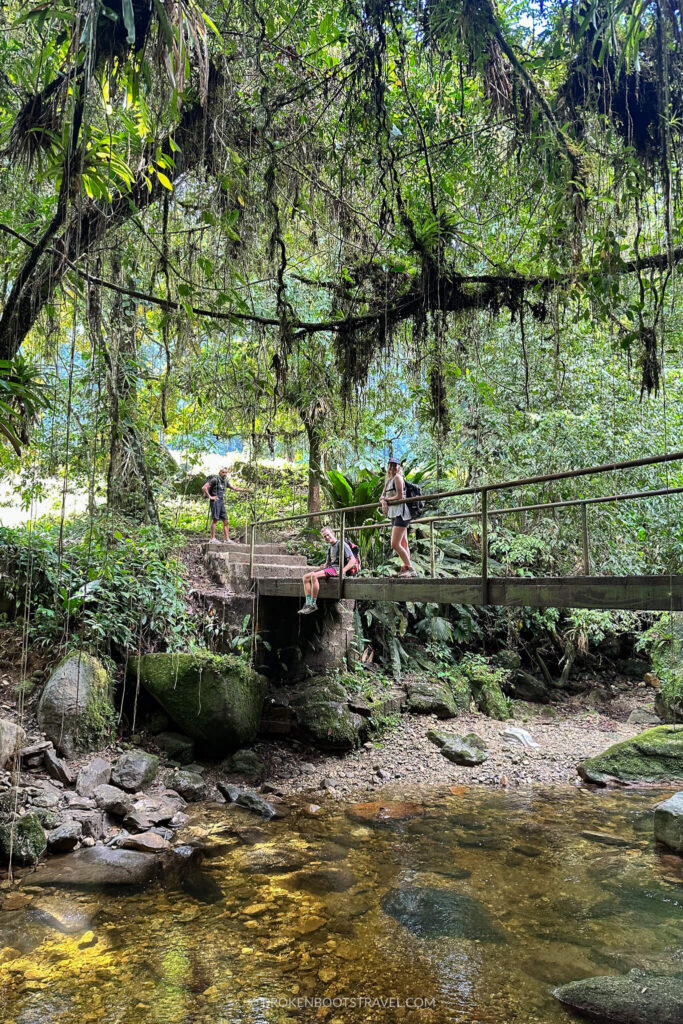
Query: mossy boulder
{"type": "Point", "coordinates": [75, 709]}
{"type": "Point", "coordinates": [324, 717]}
{"type": "Point", "coordinates": [25, 838]}
{"type": "Point", "coordinates": [654, 756]}
{"type": "Point", "coordinates": [669, 705]}
{"type": "Point", "coordinates": [217, 700]}
{"type": "Point", "coordinates": [485, 683]}
{"type": "Point", "coordinates": [245, 763]}
{"type": "Point", "coordinates": [468, 750]}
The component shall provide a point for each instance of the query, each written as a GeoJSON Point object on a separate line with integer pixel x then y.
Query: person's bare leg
{"type": "Point", "coordinates": [213, 529]}
{"type": "Point", "coordinates": [225, 529]}
{"type": "Point", "coordinates": [397, 535]}
{"type": "Point", "coordinates": [307, 584]}
{"type": "Point", "coordinates": [315, 587]}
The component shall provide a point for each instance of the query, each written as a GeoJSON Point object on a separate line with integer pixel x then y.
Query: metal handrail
{"type": "Point", "coordinates": [484, 513]}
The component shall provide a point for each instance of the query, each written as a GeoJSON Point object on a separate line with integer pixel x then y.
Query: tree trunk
{"type": "Point", "coordinates": [314, 468]}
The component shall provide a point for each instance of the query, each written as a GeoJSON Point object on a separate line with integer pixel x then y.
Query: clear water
{"type": "Point", "coordinates": [465, 905]}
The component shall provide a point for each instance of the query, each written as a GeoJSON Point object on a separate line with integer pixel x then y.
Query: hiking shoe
{"type": "Point", "coordinates": [308, 609]}
{"type": "Point", "coordinates": [407, 572]}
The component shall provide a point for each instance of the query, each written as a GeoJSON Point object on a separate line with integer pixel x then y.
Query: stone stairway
{"type": "Point", "coordinates": [230, 562]}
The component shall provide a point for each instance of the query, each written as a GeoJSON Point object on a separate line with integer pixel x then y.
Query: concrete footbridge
{"type": "Point", "coordinates": [272, 571]}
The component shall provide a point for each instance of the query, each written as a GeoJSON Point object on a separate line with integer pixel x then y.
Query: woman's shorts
{"type": "Point", "coordinates": [400, 521]}
{"type": "Point", "coordinates": [331, 570]}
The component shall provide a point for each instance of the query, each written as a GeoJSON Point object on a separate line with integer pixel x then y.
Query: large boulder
{"type": "Point", "coordinates": [217, 700]}
{"type": "Point", "coordinates": [636, 998]}
{"type": "Point", "coordinates": [656, 755]}
{"type": "Point", "coordinates": [75, 709]}
{"type": "Point", "coordinates": [486, 682]}
{"type": "Point", "coordinates": [12, 739]}
{"type": "Point", "coordinates": [95, 773]}
{"type": "Point", "coordinates": [101, 867]}
{"type": "Point", "coordinates": [669, 822]}
{"type": "Point", "coordinates": [669, 705]}
{"type": "Point", "coordinates": [23, 839]}
{"type": "Point", "coordinates": [324, 717]}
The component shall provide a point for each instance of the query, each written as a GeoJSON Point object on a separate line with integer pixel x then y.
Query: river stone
{"type": "Point", "coordinates": [113, 800]}
{"type": "Point", "coordinates": [96, 773]}
{"type": "Point", "coordinates": [12, 739]}
{"type": "Point", "coordinates": [669, 822]}
{"type": "Point", "coordinates": [134, 770]}
{"type": "Point", "coordinates": [654, 756]}
{"type": "Point", "coordinates": [99, 867]}
{"type": "Point", "coordinates": [640, 717]}
{"type": "Point", "coordinates": [62, 914]}
{"type": "Point", "coordinates": [636, 998]}
{"type": "Point", "coordinates": [146, 842]}
{"type": "Point", "coordinates": [381, 811]}
{"type": "Point", "coordinates": [323, 715]}
{"type": "Point", "coordinates": [190, 785]}
{"type": "Point", "coordinates": [324, 880]}
{"type": "Point", "coordinates": [513, 734]}
{"type": "Point", "coordinates": [245, 763]}
{"type": "Point", "coordinates": [272, 861]}
{"type": "Point", "coordinates": [56, 768]}
{"type": "Point", "coordinates": [65, 838]}
{"type": "Point", "coordinates": [92, 823]}
{"type": "Point", "coordinates": [176, 746]}
{"type": "Point", "coordinates": [467, 750]}
{"type": "Point", "coordinates": [215, 700]}
{"type": "Point", "coordinates": [75, 709]}
{"type": "Point", "coordinates": [431, 912]}
{"type": "Point", "coordinates": [25, 838]}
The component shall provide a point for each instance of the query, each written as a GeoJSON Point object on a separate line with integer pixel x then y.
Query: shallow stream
{"type": "Point", "coordinates": [462, 905]}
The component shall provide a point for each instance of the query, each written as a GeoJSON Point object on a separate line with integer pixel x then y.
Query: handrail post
{"type": "Point", "coordinates": [586, 551]}
{"type": "Point", "coordinates": [342, 534]}
{"type": "Point", "coordinates": [251, 552]}
{"type": "Point", "coordinates": [432, 568]}
{"type": "Point", "coordinates": [484, 546]}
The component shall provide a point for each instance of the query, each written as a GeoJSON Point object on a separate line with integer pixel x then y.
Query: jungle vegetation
{"type": "Point", "coordinates": [450, 229]}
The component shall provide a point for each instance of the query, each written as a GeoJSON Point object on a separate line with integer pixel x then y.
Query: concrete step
{"type": "Point", "coordinates": [262, 571]}
{"type": "Point", "coordinates": [261, 549]}
{"type": "Point", "coordinates": [242, 558]}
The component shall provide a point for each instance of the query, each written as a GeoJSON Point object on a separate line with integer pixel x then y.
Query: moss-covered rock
{"type": "Point", "coordinates": [217, 700]}
{"type": "Point", "coordinates": [669, 705]}
{"type": "Point", "coordinates": [654, 756]}
{"type": "Point", "coordinates": [75, 709]}
{"type": "Point", "coordinates": [25, 839]}
{"type": "Point", "coordinates": [245, 763]}
{"type": "Point", "coordinates": [485, 683]}
{"type": "Point", "coordinates": [324, 716]}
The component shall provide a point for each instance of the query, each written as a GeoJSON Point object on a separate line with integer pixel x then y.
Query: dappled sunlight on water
{"type": "Point", "coordinates": [474, 903]}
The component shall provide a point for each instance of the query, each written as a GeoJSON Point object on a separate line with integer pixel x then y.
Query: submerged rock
{"type": "Point", "coordinates": [215, 700]}
{"type": "Point", "coordinates": [324, 880]}
{"type": "Point", "coordinates": [669, 822]}
{"type": "Point", "coordinates": [75, 709]}
{"type": "Point", "coordinates": [636, 998]}
{"type": "Point", "coordinates": [101, 867]}
{"type": "Point", "coordinates": [380, 811]}
{"type": "Point", "coordinates": [431, 912]}
{"type": "Point", "coordinates": [24, 839]}
{"type": "Point", "coordinates": [273, 860]}
{"type": "Point", "coordinates": [134, 770]}
{"type": "Point", "coordinates": [654, 756]}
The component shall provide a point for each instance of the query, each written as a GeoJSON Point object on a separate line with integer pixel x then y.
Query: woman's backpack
{"type": "Point", "coordinates": [355, 551]}
{"type": "Point", "coordinates": [414, 491]}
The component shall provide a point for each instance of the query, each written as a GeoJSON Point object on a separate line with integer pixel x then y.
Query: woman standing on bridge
{"type": "Point", "coordinates": [398, 514]}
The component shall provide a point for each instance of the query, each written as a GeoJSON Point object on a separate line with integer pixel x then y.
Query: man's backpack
{"type": "Point", "coordinates": [355, 551]}
{"type": "Point", "coordinates": [416, 507]}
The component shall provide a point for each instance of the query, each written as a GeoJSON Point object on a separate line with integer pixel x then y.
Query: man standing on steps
{"type": "Point", "coordinates": [214, 490]}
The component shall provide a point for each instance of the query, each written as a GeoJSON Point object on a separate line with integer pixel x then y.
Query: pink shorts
{"type": "Point", "coordinates": [331, 570]}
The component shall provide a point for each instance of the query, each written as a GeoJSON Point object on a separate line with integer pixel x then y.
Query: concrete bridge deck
{"type": "Point", "coordinates": [634, 593]}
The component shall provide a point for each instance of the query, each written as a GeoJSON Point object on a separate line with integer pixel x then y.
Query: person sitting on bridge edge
{"type": "Point", "coordinates": [214, 489]}
{"type": "Point", "coordinates": [399, 515]}
{"type": "Point", "coordinates": [330, 568]}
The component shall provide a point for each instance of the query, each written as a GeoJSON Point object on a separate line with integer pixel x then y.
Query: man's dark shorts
{"type": "Point", "coordinates": [218, 510]}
